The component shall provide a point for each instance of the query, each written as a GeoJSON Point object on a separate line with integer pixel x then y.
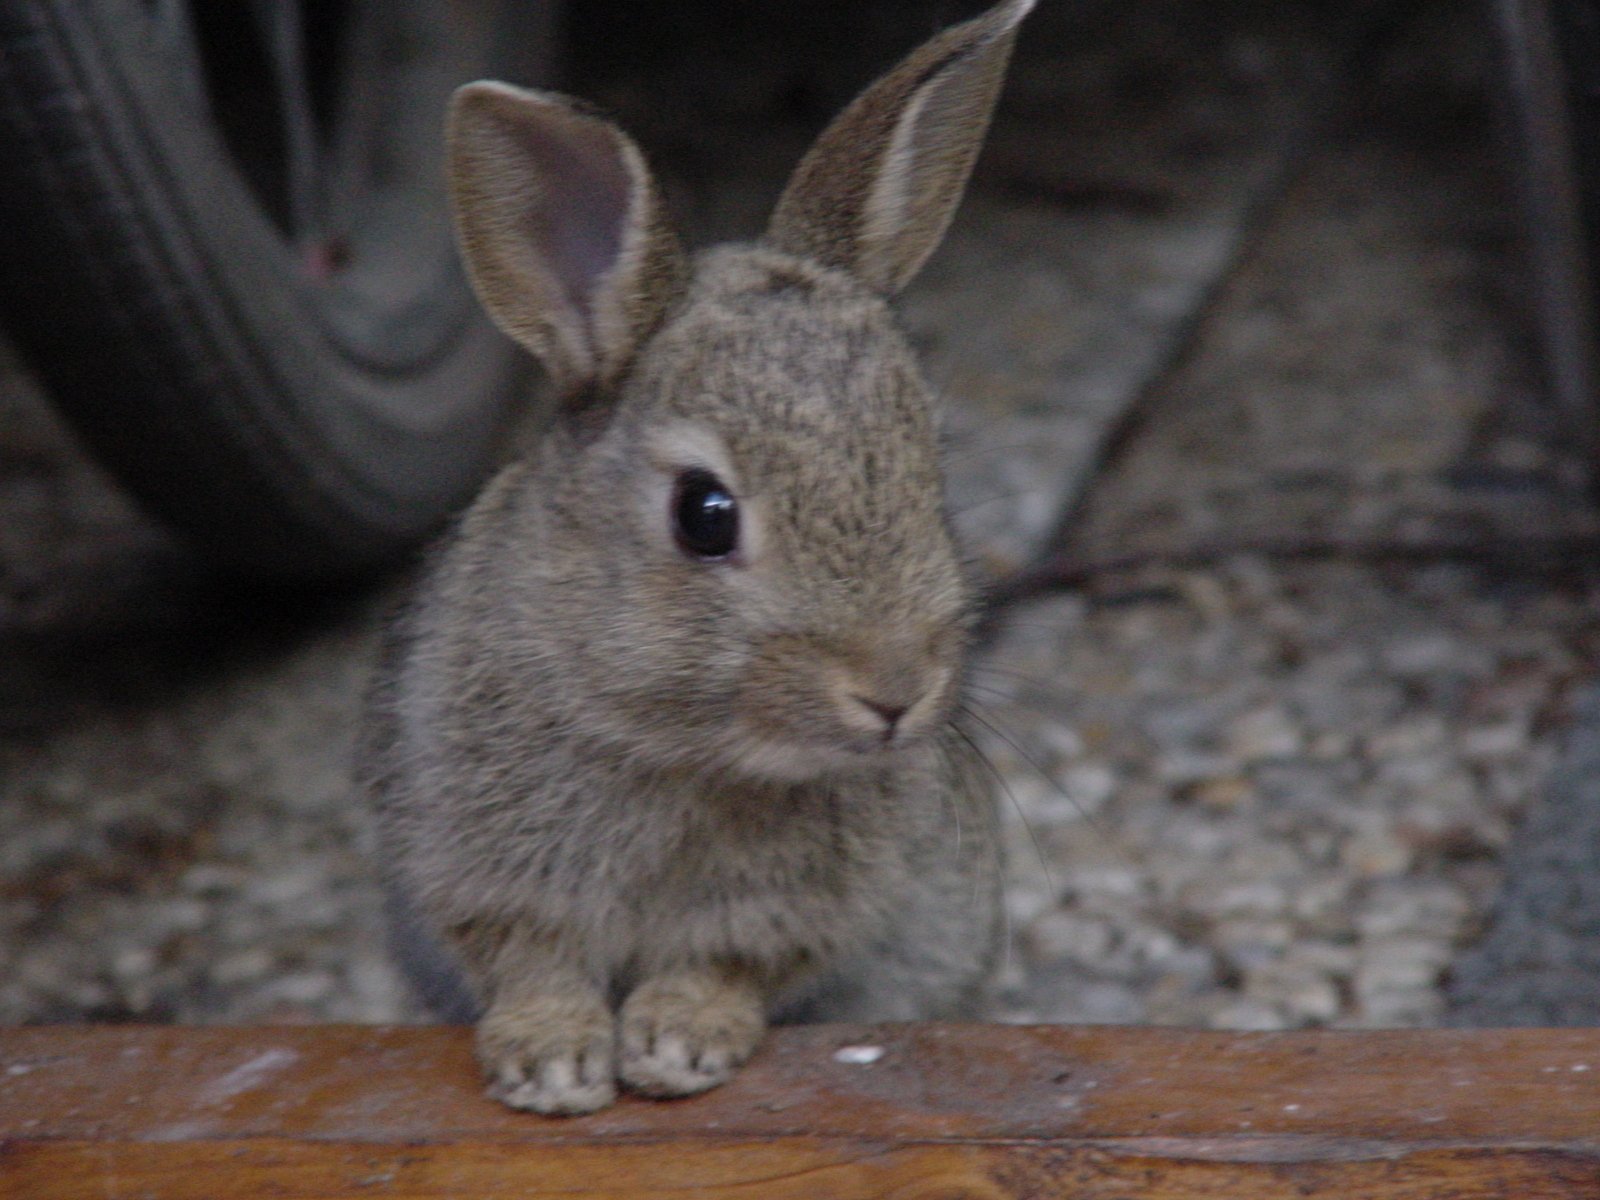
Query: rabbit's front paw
{"type": "Point", "coordinates": [553, 1055]}
{"type": "Point", "coordinates": [682, 1034]}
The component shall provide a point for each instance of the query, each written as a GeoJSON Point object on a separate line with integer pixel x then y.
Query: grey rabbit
{"type": "Point", "coordinates": [661, 749]}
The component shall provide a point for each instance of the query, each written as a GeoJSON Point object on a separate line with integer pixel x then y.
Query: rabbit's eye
{"type": "Point", "coordinates": [705, 516]}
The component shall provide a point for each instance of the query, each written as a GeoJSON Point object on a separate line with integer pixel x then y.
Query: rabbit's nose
{"type": "Point", "coordinates": [890, 714]}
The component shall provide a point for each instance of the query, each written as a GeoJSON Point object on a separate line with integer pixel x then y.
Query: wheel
{"type": "Point", "coordinates": [1550, 53]}
{"type": "Point", "coordinates": [227, 253]}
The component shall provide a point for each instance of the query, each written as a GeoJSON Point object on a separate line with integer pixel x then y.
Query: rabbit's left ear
{"type": "Point", "coordinates": [878, 189]}
{"type": "Point", "coordinates": [561, 228]}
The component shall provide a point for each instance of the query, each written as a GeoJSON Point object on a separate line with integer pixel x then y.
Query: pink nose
{"type": "Point", "coordinates": [890, 713]}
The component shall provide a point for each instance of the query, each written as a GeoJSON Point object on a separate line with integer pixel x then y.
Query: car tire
{"type": "Point", "coordinates": [302, 401]}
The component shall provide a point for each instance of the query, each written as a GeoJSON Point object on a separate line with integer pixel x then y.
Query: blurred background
{"type": "Point", "coordinates": [1264, 338]}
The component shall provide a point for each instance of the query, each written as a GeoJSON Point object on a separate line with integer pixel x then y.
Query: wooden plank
{"type": "Point", "coordinates": [946, 1112]}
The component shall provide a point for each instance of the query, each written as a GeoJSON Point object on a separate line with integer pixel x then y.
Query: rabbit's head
{"type": "Point", "coordinates": [743, 560]}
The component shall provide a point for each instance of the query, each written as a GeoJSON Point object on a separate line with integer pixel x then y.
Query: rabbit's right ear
{"type": "Point", "coordinates": [876, 192]}
{"type": "Point", "coordinates": [562, 230]}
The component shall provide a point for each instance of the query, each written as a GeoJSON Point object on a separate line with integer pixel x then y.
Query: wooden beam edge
{"type": "Point", "coordinates": [917, 1112]}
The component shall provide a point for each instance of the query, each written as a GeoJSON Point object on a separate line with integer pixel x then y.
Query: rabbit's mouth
{"type": "Point", "coordinates": [807, 762]}
{"type": "Point", "coordinates": [836, 747]}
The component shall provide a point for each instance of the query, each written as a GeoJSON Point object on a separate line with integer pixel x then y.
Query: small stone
{"type": "Point", "coordinates": [1326, 958]}
{"type": "Point", "coordinates": [1025, 900]}
{"type": "Point", "coordinates": [1141, 948]}
{"type": "Point", "coordinates": [1395, 961]}
{"type": "Point", "coordinates": [177, 915]}
{"type": "Point", "coordinates": [1412, 772]}
{"type": "Point", "coordinates": [1331, 745]}
{"type": "Point", "coordinates": [1457, 831]}
{"type": "Point", "coordinates": [1187, 768]}
{"type": "Point", "coordinates": [302, 987]}
{"type": "Point", "coordinates": [858, 1056]}
{"type": "Point", "coordinates": [288, 885]}
{"type": "Point", "coordinates": [1453, 788]}
{"type": "Point", "coordinates": [1012, 977]}
{"type": "Point", "coordinates": [1408, 739]}
{"type": "Point", "coordinates": [1226, 897]}
{"type": "Point", "coordinates": [1519, 454]}
{"type": "Point", "coordinates": [1266, 733]}
{"type": "Point", "coordinates": [1102, 1002]}
{"type": "Point", "coordinates": [1320, 846]}
{"type": "Point", "coordinates": [1207, 595]}
{"type": "Point", "coordinates": [1267, 860]}
{"type": "Point", "coordinates": [1089, 786]}
{"type": "Point", "coordinates": [1297, 988]}
{"type": "Point", "coordinates": [1246, 944]}
{"type": "Point", "coordinates": [1195, 835]}
{"type": "Point", "coordinates": [1059, 740]}
{"type": "Point", "coordinates": [1412, 1007]}
{"type": "Point", "coordinates": [1032, 799]}
{"type": "Point", "coordinates": [1179, 724]}
{"type": "Point", "coordinates": [213, 878]}
{"type": "Point", "coordinates": [1106, 879]}
{"type": "Point", "coordinates": [1060, 936]}
{"type": "Point", "coordinates": [1256, 578]}
{"type": "Point", "coordinates": [1418, 654]}
{"type": "Point", "coordinates": [1249, 1015]}
{"type": "Point", "coordinates": [245, 966]}
{"type": "Point", "coordinates": [1377, 853]}
{"type": "Point", "coordinates": [1302, 785]}
{"type": "Point", "coordinates": [1228, 794]}
{"type": "Point", "coordinates": [1183, 997]}
{"type": "Point", "coordinates": [1317, 897]}
{"type": "Point", "coordinates": [133, 962]}
{"type": "Point", "coordinates": [1190, 961]}
{"type": "Point", "coordinates": [1505, 740]}
{"type": "Point", "coordinates": [377, 985]}
{"type": "Point", "coordinates": [1414, 907]}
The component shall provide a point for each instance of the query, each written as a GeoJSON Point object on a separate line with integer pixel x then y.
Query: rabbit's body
{"type": "Point", "coordinates": [865, 896]}
{"type": "Point", "coordinates": [662, 747]}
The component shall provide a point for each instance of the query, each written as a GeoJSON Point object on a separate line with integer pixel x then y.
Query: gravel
{"type": "Point", "coordinates": [1263, 761]}
{"type": "Point", "coordinates": [1281, 830]}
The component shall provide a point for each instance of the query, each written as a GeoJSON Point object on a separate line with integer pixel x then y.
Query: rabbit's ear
{"type": "Point", "coordinates": [561, 228]}
{"type": "Point", "coordinates": [876, 192]}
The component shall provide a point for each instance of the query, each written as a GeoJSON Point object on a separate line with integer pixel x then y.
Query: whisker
{"type": "Point", "coordinates": [998, 693]}
{"type": "Point", "coordinates": [1005, 911]}
{"type": "Point", "coordinates": [999, 776]}
{"type": "Point", "coordinates": [956, 514]}
{"type": "Point", "coordinates": [1008, 673]}
{"type": "Point", "coordinates": [955, 812]}
{"type": "Point", "coordinates": [952, 455]}
{"type": "Point", "coordinates": [997, 696]}
{"type": "Point", "coordinates": [1099, 826]}
{"type": "Point", "coordinates": [1010, 622]}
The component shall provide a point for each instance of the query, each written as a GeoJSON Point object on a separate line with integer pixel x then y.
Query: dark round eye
{"type": "Point", "coordinates": [705, 516]}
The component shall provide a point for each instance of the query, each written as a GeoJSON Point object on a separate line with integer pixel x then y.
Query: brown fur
{"type": "Point", "coordinates": [643, 802]}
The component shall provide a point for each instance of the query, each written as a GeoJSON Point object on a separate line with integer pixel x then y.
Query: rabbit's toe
{"type": "Point", "coordinates": [684, 1035]}
{"type": "Point", "coordinates": [550, 1058]}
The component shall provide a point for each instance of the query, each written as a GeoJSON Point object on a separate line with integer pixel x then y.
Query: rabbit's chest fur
{"type": "Point", "coordinates": [639, 871]}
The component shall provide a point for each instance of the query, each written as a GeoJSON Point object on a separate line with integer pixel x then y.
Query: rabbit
{"type": "Point", "coordinates": [661, 748]}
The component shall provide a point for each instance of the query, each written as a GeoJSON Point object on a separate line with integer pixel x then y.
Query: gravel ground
{"type": "Point", "coordinates": [1263, 751]}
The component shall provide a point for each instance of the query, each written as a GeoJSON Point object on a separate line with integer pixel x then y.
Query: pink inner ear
{"type": "Point", "coordinates": [578, 221]}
